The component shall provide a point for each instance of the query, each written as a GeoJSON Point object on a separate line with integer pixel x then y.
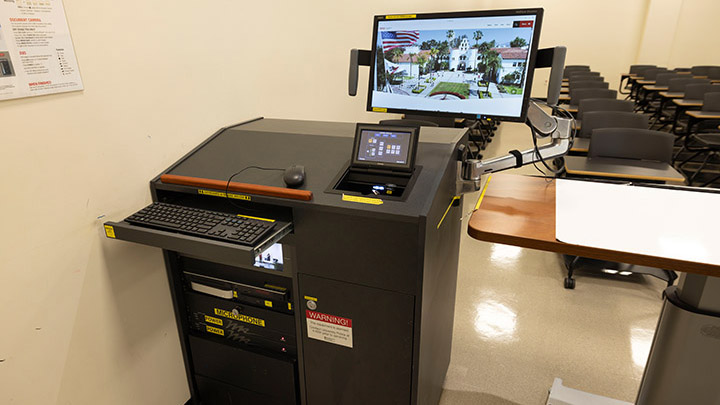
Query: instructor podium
{"type": "Point", "coordinates": [349, 301]}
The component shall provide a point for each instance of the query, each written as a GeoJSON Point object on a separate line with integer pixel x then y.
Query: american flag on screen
{"type": "Point", "coordinates": [395, 39]}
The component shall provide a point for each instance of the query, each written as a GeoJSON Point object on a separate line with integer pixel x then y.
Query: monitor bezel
{"type": "Point", "coordinates": [538, 12]}
{"type": "Point", "coordinates": [412, 148]}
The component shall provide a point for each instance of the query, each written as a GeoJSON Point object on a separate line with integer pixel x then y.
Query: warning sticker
{"type": "Point", "coordinates": [329, 328]}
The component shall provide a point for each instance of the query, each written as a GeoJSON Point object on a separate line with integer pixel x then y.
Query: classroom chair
{"type": "Point", "coordinates": [703, 137]}
{"type": "Point", "coordinates": [593, 120]}
{"type": "Point", "coordinates": [580, 94]}
{"type": "Point", "coordinates": [634, 144]}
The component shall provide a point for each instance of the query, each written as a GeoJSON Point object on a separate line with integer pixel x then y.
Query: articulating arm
{"type": "Point", "coordinates": [559, 129]}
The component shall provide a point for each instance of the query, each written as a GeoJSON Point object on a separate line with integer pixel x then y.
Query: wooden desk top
{"type": "Point", "coordinates": [520, 211]}
{"type": "Point", "coordinates": [564, 97]}
{"type": "Point", "coordinates": [565, 90]}
{"type": "Point", "coordinates": [687, 103]}
{"type": "Point", "coordinates": [650, 87]}
{"type": "Point", "coordinates": [708, 115]}
{"type": "Point", "coordinates": [580, 145]}
{"type": "Point", "coordinates": [629, 169]}
{"type": "Point", "coordinates": [672, 94]}
{"type": "Point", "coordinates": [644, 82]}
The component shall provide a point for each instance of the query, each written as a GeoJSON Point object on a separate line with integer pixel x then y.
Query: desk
{"type": "Point", "coordinates": [683, 105]}
{"type": "Point", "coordinates": [650, 87]}
{"type": "Point", "coordinates": [382, 269]}
{"type": "Point", "coordinates": [622, 168]}
{"type": "Point", "coordinates": [520, 211]}
{"type": "Point", "coordinates": [672, 94]}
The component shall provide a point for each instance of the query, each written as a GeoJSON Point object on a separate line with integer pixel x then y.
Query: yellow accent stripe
{"type": "Point", "coordinates": [379, 109]}
{"type": "Point", "coordinates": [261, 219]}
{"type": "Point", "coordinates": [309, 298]}
{"type": "Point", "coordinates": [482, 195]}
{"type": "Point", "coordinates": [400, 16]}
{"type": "Point", "coordinates": [362, 200]}
{"type": "Point", "coordinates": [447, 210]}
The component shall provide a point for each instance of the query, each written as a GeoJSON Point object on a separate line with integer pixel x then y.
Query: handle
{"type": "Point", "coordinates": [305, 195]}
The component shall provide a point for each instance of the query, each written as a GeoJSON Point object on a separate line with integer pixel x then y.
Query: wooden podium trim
{"type": "Point", "coordinates": [280, 192]}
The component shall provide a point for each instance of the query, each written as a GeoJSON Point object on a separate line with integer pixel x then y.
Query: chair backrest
{"type": "Point", "coordinates": [714, 73]}
{"type": "Point", "coordinates": [611, 119]}
{"type": "Point", "coordinates": [603, 104]}
{"type": "Point", "coordinates": [631, 143]}
{"type": "Point", "coordinates": [711, 101]}
{"type": "Point", "coordinates": [580, 94]}
{"type": "Point", "coordinates": [678, 84]}
{"type": "Point", "coordinates": [574, 68]}
{"type": "Point", "coordinates": [701, 70]}
{"type": "Point", "coordinates": [651, 74]}
{"type": "Point", "coordinates": [697, 91]}
{"type": "Point", "coordinates": [635, 68]}
{"type": "Point", "coordinates": [641, 71]}
{"type": "Point", "coordinates": [584, 73]}
{"type": "Point", "coordinates": [584, 78]}
{"type": "Point", "coordinates": [588, 84]}
{"type": "Point", "coordinates": [679, 69]}
{"type": "Point", "coordinates": [662, 79]}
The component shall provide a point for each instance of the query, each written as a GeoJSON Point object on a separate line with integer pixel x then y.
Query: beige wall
{"type": "Point", "coordinates": [86, 320]}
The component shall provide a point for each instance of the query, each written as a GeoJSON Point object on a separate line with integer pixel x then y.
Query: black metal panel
{"type": "Point", "coordinates": [367, 251]}
{"type": "Point", "coordinates": [436, 306]}
{"type": "Point", "coordinates": [264, 375]}
{"type": "Point", "coordinates": [214, 392]}
{"type": "Point", "coordinates": [378, 367]}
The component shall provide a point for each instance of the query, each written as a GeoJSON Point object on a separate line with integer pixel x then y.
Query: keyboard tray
{"type": "Point", "coordinates": [211, 249]}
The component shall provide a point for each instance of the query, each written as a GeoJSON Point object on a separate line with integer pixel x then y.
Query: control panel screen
{"type": "Point", "coordinates": [384, 146]}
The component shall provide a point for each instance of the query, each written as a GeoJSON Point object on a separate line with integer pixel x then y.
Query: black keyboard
{"type": "Point", "coordinates": [208, 224]}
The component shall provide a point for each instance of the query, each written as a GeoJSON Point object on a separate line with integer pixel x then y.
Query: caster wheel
{"type": "Point", "coordinates": [569, 283]}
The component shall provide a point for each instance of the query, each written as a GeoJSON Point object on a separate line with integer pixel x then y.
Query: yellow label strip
{"type": "Point", "coordinates": [482, 195]}
{"type": "Point", "coordinates": [362, 200]}
{"type": "Point", "coordinates": [241, 318]}
{"type": "Point", "coordinates": [216, 321]}
{"type": "Point", "coordinates": [109, 231]}
{"type": "Point", "coordinates": [400, 16]}
{"type": "Point", "coordinates": [216, 331]}
{"type": "Point", "coordinates": [447, 210]}
{"type": "Point", "coordinates": [309, 298]}
{"type": "Point", "coordinates": [378, 109]}
{"type": "Point", "coordinates": [222, 194]}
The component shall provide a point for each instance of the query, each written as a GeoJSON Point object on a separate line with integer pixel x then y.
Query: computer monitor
{"type": "Point", "coordinates": [464, 64]}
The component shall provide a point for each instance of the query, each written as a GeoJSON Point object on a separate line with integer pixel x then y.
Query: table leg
{"type": "Point", "coordinates": [683, 367]}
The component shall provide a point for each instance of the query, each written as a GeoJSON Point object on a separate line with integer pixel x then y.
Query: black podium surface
{"type": "Point", "coordinates": [361, 309]}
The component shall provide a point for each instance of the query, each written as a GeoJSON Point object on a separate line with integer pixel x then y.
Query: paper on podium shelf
{"type": "Point", "coordinates": [662, 222]}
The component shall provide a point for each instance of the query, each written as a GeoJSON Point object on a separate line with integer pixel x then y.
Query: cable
{"type": "Point", "coordinates": [227, 185]}
{"type": "Point", "coordinates": [533, 130]}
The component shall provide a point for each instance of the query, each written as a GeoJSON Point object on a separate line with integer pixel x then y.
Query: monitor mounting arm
{"type": "Point", "coordinates": [544, 125]}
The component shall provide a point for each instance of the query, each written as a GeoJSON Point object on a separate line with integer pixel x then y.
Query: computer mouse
{"type": "Point", "coordinates": [294, 176]}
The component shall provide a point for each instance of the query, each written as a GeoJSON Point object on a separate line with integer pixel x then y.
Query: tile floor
{"type": "Point", "coordinates": [517, 328]}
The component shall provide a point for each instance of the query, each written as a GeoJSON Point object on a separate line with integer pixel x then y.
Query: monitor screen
{"type": "Point", "coordinates": [384, 147]}
{"type": "Point", "coordinates": [469, 64]}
